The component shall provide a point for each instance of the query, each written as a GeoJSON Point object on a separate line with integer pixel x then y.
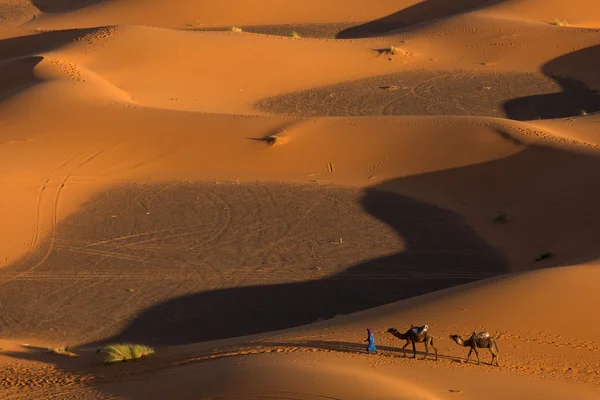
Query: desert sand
{"type": "Point", "coordinates": [248, 201]}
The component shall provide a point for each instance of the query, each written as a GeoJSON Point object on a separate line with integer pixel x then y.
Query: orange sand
{"type": "Point", "coordinates": [228, 195]}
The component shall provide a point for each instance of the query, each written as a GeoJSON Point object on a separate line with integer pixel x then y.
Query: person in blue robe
{"type": "Point", "coordinates": [370, 342]}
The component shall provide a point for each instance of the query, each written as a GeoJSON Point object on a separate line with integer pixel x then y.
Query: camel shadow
{"type": "Point", "coordinates": [423, 12]}
{"type": "Point", "coordinates": [576, 98]}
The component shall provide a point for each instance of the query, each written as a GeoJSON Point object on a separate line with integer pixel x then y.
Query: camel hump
{"type": "Point", "coordinates": [480, 335]}
{"type": "Point", "coordinates": [418, 330]}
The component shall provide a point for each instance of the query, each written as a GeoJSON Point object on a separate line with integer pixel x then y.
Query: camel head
{"type": "Point", "coordinates": [457, 339]}
{"type": "Point", "coordinates": [392, 330]}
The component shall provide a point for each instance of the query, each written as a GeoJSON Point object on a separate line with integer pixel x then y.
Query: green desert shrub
{"type": "Point", "coordinates": [125, 352]}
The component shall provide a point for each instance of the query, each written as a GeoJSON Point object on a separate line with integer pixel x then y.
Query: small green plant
{"type": "Point", "coordinates": [236, 29]}
{"type": "Point", "coordinates": [125, 352]}
{"type": "Point", "coordinates": [559, 22]}
{"type": "Point", "coordinates": [501, 218]}
{"type": "Point", "coordinates": [583, 113]}
{"type": "Point", "coordinates": [544, 256]}
{"type": "Point", "coordinates": [294, 34]}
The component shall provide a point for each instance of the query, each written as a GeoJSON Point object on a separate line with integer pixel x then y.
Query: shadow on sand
{"type": "Point", "coordinates": [422, 12]}
{"type": "Point", "coordinates": [441, 251]}
{"type": "Point", "coordinates": [57, 6]}
{"type": "Point", "coordinates": [25, 45]}
{"type": "Point", "coordinates": [574, 72]}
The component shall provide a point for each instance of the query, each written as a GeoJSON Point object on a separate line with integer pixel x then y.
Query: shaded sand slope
{"type": "Point", "coordinates": [575, 72]}
{"type": "Point", "coordinates": [129, 144]}
{"type": "Point", "coordinates": [577, 12]}
{"type": "Point", "coordinates": [186, 13]}
{"type": "Point", "coordinates": [427, 92]}
{"type": "Point", "coordinates": [540, 355]}
{"type": "Point", "coordinates": [239, 251]}
{"type": "Point", "coordinates": [419, 13]}
{"type": "Point", "coordinates": [572, 238]}
{"type": "Point", "coordinates": [182, 73]}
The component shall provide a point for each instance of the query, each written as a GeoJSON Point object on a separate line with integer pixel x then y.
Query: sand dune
{"type": "Point", "coordinates": [249, 201]}
{"type": "Point", "coordinates": [574, 13]}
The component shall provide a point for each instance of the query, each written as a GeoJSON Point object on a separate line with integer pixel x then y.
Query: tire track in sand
{"type": "Point", "coordinates": [55, 206]}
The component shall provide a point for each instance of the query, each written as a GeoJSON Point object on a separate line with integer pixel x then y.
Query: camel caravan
{"type": "Point", "coordinates": [420, 334]}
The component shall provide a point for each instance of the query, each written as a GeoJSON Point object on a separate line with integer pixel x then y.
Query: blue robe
{"type": "Point", "coordinates": [371, 343]}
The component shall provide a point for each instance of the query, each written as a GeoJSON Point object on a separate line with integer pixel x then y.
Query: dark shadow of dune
{"type": "Point", "coordinates": [56, 6]}
{"type": "Point", "coordinates": [17, 74]}
{"type": "Point", "coordinates": [547, 192]}
{"type": "Point", "coordinates": [97, 257]}
{"type": "Point", "coordinates": [414, 92]}
{"type": "Point", "coordinates": [577, 75]}
{"type": "Point", "coordinates": [39, 42]}
{"type": "Point", "coordinates": [422, 12]}
{"type": "Point", "coordinates": [441, 251]}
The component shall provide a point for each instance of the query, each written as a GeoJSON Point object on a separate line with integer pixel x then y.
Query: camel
{"type": "Point", "coordinates": [478, 341]}
{"type": "Point", "coordinates": [415, 336]}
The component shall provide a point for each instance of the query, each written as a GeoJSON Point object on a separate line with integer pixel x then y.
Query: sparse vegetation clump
{"type": "Point", "coordinates": [559, 22]}
{"type": "Point", "coordinates": [236, 29]}
{"type": "Point", "coordinates": [294, 34]}
{"type": "Point", "coordinates": [63, 351]}
{"type": "Point", "coordinates": [125, 352]}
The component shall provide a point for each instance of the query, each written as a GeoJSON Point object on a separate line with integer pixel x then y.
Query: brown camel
{"type": "Point", "coordinates": [413, 337]}
{"type": "Point", "coordinates": [474, 342]}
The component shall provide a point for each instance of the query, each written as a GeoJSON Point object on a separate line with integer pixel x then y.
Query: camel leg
{"type": "Point", "coordinates": [414, 349]}
{"type": "Point", "coordinates": [404, 348]}
{"type": "Point", "coordinates": [494, 356]}
{"type": "Point", "coordinates": [426, 350]}
{"type": "Point", "coordinates": [435, 349]}
{"type": "Point", "coordinates": [469, 356]}
{"type": "Point", "coordinates": [477, 354]}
